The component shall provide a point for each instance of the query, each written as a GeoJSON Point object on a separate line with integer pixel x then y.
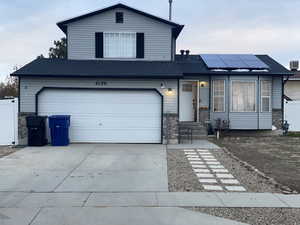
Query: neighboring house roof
{"type": "Point", "coordinates": [97, 68]}
{"type": "Point", "coordinates": [296, 76]}
{"type": "Point", "coordinates": [177, 27]}
{"type": "Point", "coordinates": [192, 65]}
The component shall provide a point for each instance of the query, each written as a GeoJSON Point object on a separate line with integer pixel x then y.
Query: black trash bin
{"type": "Point", "coordinates": [36, 126]}
{"type": "Point", "coordinates": [59, 128]}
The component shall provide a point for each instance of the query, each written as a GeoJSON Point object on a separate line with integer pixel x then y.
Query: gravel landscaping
{"type": "Point", "coordinates": [6, 150]}
{"type": "Point", "coordinates": [256, 216]}
{"type": "Point", "coordinates": [182, 178]}
{"type": "Point", "coordinates": [277, 157]}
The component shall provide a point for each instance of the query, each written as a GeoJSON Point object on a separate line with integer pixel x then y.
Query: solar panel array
{"type": "Point", "coordinates": [233, 61]}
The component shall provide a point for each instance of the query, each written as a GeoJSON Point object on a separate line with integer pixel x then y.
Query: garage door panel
{"type": "Point", "coordinates": [106, 115]}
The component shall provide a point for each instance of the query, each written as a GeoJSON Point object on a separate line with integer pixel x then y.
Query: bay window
{"type": "Point", "coordinates": [219, 95]}
{"type": "Point", "coordinates": [243, 96]}
{"type": "Point", "coordinates": [266, 89]}
{"type": "Point", "coordinates": [119, 45]}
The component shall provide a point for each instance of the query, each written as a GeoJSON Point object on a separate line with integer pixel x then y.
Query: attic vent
{"type": "Point", "coordinates": [119, 17]}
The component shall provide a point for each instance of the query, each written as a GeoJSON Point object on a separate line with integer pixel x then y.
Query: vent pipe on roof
{"type": "Point", "coordinates": [170, 9]}
{"type": "Point", "coordinates": [294, 65]}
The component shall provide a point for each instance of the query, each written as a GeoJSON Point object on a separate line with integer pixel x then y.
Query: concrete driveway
{"type": "Point", "coordinates": [86, 168]}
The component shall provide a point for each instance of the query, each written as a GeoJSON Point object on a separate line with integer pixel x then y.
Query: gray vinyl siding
{"type": "Point", "coordinates": [243, 120]}
{"type": "Point", "coordinates": [81, 34]}
{"type": "Point", "coordinates": [30, 86]}
{"type": "Point", "coordinates": [277, 93]}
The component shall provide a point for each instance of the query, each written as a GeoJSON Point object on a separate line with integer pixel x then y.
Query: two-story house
{"type": "Point", "coordinates": [122, 82]}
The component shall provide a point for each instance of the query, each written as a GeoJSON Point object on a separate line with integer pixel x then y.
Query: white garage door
{"type": "Point", "coordinates": [108, 116]}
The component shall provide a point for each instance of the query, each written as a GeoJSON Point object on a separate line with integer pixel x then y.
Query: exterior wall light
{"type": "Point", "coordinates": [203, 84]}
{"type": "Point", "coordinates": [170, 91]}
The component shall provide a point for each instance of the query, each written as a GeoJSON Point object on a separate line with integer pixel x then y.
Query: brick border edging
{"type": "Point", "coordinates": [285, 189]}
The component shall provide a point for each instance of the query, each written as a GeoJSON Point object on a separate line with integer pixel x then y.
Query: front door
{"type": "Point", "coordinates": [188, 101]}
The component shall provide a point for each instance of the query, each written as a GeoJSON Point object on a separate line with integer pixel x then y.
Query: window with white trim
{"type": "Point", "coordinates": [265, 90]}
{"type": "Point", "coordinates": [119, 45]}
{"type": "Point", "coordinates": [243, 96]}
{"type": "Point", "coordinates": [219, 95]}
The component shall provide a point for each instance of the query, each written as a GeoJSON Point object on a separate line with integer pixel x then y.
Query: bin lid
{"type": "Point", "coordinates": [60, 117]}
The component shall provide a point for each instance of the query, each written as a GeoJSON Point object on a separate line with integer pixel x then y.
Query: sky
{"type": "Point", "coordinates": [28, 28]}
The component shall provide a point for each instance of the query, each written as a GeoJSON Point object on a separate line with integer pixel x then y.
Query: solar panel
{"type": "Point", "coordinates": [233, 61]}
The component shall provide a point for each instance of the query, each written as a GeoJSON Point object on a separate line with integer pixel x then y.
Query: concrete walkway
{"type": "Point", "coordinates": [109, 216]}
{"type": "Point", "coordinates": [148, 199]}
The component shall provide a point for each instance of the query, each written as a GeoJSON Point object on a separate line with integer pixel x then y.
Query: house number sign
{"type": "Point", "coordinates": [101, 83]}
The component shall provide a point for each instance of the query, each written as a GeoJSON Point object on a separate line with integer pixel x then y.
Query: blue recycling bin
{"type": "Point", "coordinates": [59, 130]}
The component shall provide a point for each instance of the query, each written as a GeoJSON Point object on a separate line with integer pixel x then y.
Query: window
{"type": "Point", "coordinates": [219, 95]}
{"type": "Point", "coordinates": [243, 97]}
{"type": "Point", "coordinates": [265, 90]}
{"type": "Point", "coordinates": [120, 45]}
{"type": "Point", "coordinates": [119, 17]}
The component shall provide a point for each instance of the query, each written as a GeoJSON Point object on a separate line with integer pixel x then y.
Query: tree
{"type": "Point", "coordinates": [9, 88]}
{"type": "Point", "coordinates": [59, 51]}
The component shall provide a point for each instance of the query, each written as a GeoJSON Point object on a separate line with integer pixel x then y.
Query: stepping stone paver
{"type": "Point", "coordinates": [220, 171]}
{"type": "Point", "coordinates": [212, 163]}
{"type": "Point", "coordinates": [220, 175]}
{"type": "Point", "coordinates": [205, 175]}
{"type": "Point", "coordinates": [213, 188]}
{"type": "Point", "coordinates": [196, 162]}
{"type": "Point", "coordinates": [196, 159]}
{"type": "Point", "coordinates": [208, 181]}
{"type": "Point", "coordinates": [235, 188]}
{"type": "Point", "coordinates": [216, 166]}
{"type": "Point", "coordinates": [195, 167]}
{"type": "Point", "coordinates": [192, 156]}
{"type": "Point", "coordinates": [202, 170]}
{"type": "Point", "coordinates": [229, 181]}
{"type": "Point", "coordinates": [207, 157]}
{"type": "Point", "coordinates": [211, 160]}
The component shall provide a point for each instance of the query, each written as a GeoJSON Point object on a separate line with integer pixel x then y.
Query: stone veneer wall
{"type": "Point", "coordinates": [22, 129]}
{"type": "Point", "coordinates": [170, 128]}
{"type": "Point", "coordinates": [277, 118]}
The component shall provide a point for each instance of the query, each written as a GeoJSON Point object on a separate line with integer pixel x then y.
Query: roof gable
{"type": "Point", "coordinates": [177, 28]}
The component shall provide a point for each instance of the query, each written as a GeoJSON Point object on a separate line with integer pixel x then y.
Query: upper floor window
{"type": "Point", "coordinates": [243, 96]}
{"type": "Point", "coordinates": [266, 89]}
{"type": "Point", "coordinates": [119, 17]}
{"type": "Point", "coordinates": [119, 45]}
{"type": "Point", "coordinates": [219, 95]}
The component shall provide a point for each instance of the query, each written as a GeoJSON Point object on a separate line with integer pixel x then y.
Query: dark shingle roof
{"type": "Point", "coordinates": [99, 68]}
{"type": "Point", "coordinates": [182, 66]}
{"type": "Point", "coordinates": [177, 27]}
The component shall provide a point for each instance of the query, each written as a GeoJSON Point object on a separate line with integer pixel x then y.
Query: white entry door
{"type": "Point", "coordinates": [188, 101]}
{"type": "Point", "coordinates": [107, 116]}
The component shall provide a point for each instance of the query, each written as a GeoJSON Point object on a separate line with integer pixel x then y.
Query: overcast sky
{"type": "Point", "coordinates": [28, 28]}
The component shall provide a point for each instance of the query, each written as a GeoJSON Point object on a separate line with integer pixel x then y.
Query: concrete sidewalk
{"type": "Point", "coordinates": [148, 199]}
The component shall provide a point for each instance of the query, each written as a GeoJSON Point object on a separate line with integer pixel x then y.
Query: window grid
{"type": "Point", "coordinates": [219, 95]}
{"type": "Point", "coordinates": [119, 45]}
{"type": "Point", "coordinates": [266, 90]}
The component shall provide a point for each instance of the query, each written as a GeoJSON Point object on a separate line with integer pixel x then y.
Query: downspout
{"type": "Point", "coordinates": [228, 98]}
{"type": "Point", "coordinates": [282, 96]}
{"type": "Point", "coordinates": [258, 100]}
